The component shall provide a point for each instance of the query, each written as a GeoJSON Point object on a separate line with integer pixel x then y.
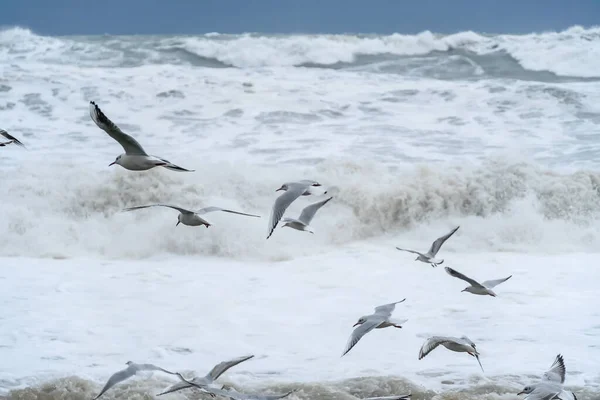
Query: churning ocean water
{"type": "Point", "coordinates": [411, 134]}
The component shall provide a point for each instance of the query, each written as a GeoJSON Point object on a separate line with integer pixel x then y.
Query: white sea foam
{"type": "Point", "coordinates": [436, 135]}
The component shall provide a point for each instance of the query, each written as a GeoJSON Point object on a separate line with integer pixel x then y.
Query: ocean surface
{"type": "Point", "coordinates": [412, 135]}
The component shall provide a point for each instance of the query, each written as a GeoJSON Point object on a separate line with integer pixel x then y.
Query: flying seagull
{"type": "Point", "coordinates": [379, 319]}
{"type": "Point", "coordinates": [484, 288]}
{"type": "Point", "coordinates": [135, 157]}
{"type": "Point", "coordinates": [131, 370]}
{"type": "Point", "coordinates": [462, 344]}
{"type": "Point", "coordinates": [192, 218]}
{"type": "Point", "coordinates": [429, 257]}
{"type": "Point", "coordinates": [303, 221]}
{"type": "Point", "coordinates": [551, 385]}
{"type": "Point", "coordinates": [293, 190]}
{"type": "Point", "coordinates": [209, 379]}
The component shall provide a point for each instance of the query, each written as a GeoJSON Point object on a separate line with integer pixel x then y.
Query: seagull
{"type": "Point", "coordinates": [135, 157]}
{"type": "Point", "coordinates": [131, 370]}
{"type": "Point", "coordinates": [462, 344]}
{"type": "Point", "coordinates": [192, 218]}
{"type": "Point", "coordinates": [551, 386]}
{"type": "Point", "coordinates": [233, 395]}
{"type": "Point", "coordinates": [379, 319]}
{"type": "Point", "coordinates": [429, 257]}
{"type": "Point", "coordinates": [303, 221]}
{"type": "Point", "coordinates": [11, 139]}
{"type": "Point", "coordinates": [293, 190]}
{"type": "Point", "coordinates": [399, 397]}
{"type": "Point", "coordinates": [209, 379]}
{"type": "Point", "coordinates": [484, 288]}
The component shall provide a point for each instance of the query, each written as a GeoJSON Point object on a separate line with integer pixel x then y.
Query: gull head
{"type": "Point", "coordinates": [129, 363]}
{"type": "Point", "coordinates": [283, 187]}
{"type": "Point", "coordinates": [360, 321]}
{"type": "Point", "coordinates": [527, 390]}
{"type": "Point", "coordinates": [117, 160]}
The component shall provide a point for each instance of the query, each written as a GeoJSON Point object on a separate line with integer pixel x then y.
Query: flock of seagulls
{"type": "Point", "coordinates": [135, 158]}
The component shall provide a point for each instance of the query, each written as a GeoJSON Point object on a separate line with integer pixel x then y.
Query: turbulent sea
{"type": "Point", "coordinates": [412, 135]}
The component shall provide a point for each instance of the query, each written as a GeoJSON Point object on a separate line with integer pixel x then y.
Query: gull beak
{"type": "Point", "coordinates": [358, 323]}
{"type": "Point", "coordinates": [520, 393]}
{"type": "Point", "coordinates": [114, 162]}
{"type": "Point", "coordinates": [178, 222]}
{"type": "Point", "coordinates": [281, 188]}
{"type": "Point", "coordinates": [316, 184]}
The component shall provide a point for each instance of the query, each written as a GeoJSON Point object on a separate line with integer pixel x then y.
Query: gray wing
{"type": "Point", "coordinates": [361, 331]}
{"type": "Point", "coordinates": [181, 210]}
{"type": "Point", "coordinates": [435, 246]}
{"type": "Point", "coordinates": [456, 274]}
{"type": "Point", "coordinates": [11, 138]}
{"type": "Point", "coordinates": [116, 378]}
{"type": "Point", "coordinates": [557, 371]}
{"type": "Point", "coordinates": [400, 397]}
{"type": "Point", "coordinates": [410, 251]}
{"type": "Point", "coordinates": [309, 211]}
{"type": "Point", "coordinates": [282, 203]}
{"type": "Point", "coordinates": [220, 368]}
{"type": "Point", "coordinates": [387, 309]}
{"type": "Point", "coordinates": [198, 382]}
{"type": "Point", "coordinates": [433, 342]}
{"type": "Point", "coordinates": [206, 210]}
{"type": "Point", "coordinates": [495, 282]}
{"type": "Point", "coordinates": [309, 182]}
{"type": "Point", "coordinates": [130, 145]}
{"type": "Point", "coordinates": [151, 367]}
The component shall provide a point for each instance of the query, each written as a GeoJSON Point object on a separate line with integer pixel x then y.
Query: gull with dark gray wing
{"type": "Point", "coordinates": [192, 218]}
{"type": "Point", "coordinates": [484, 288]}
{"type": "Point", "coordinates": [462, 345]}
{"type": "Point", "coordinates": [302, 223]}
{"type": "Point", "coordinates": [429, 257]}
{"type": "Point", "coordinates": [379, 319]}
{"type": "Point", "coordinates": [131, 370]}
{"type": "Point", "coordinates": [135, 157]}
{"type": "Point", "coordinates": [551, 385]}
{"type": "Point", "coordinates": [293, 190]}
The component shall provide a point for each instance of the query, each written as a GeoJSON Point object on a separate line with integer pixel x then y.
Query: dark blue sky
{"type": "Point", "coordinates": [64, 17]}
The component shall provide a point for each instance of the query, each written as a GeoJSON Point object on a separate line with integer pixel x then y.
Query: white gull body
{"type": "Point", "coordinates": [302, 223]}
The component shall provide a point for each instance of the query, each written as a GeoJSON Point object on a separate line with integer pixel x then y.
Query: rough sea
{"type": "Point", "coordinates": [411, 134]}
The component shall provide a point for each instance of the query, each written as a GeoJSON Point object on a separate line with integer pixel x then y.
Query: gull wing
{"type": "Point", "coordinates": [433, 342]}
{"type": "Point", "coordinates": [11, 138]}
{"type": "Point", "coordinates": [181, 210]}
{"type": "Point", "coordinates": [221, 367]}
{"type": "Point", "coordinates": [212, 209]}
{"type": "Point", "coordinates": [361, 331]}
{"type": "Point", "coordinates": [456, 274]}
{"type": "Point", "coordinates": [117, 377]}
{"type": "Point", "coordinates": [495, 282]}
{"type": "Point", "coordinates": [386, 310]}
{"type": "Point", "coordinates": [557, 371]}
{"type": "Point", "coordinates": [129, 144]}
{"type": "Point", "coordinates": [309, 211]}
{"type": "Point", "coordinates": [435, 246]}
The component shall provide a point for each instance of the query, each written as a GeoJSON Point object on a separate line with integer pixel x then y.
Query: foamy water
{"type": "Point", "coordinates": [412, 135]}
